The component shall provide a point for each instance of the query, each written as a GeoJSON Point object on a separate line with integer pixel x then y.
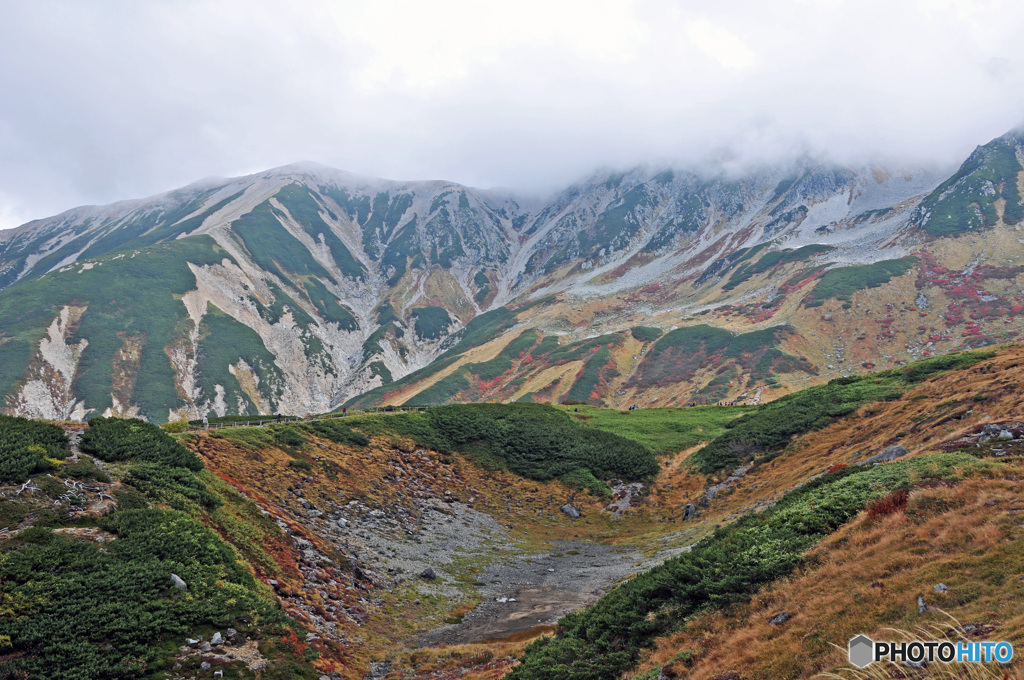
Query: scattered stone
{"type": "Point", "coordinates": [571, 510]}
{"type": "Point", "coordinates": [889, 454]}
{"type": "Point", "coordinates": [941, 588]}
{"type": "Point", "coordinates": [178, 583]}
{"type": "Point", "coordinates": [206, 647]}
{"type": "Point", "coordinates": [232, 634]}
{"type": "Point", "coordinates": [205, 665]}
{"type": "Point", "coordinates": [192, 642]}
{"type": "Point", "coordinates": [217, 639]}
{"type": "Point", "coordinates": [779, 619]}
{"type": "Point", "coordinates": [922, 606]}
{"type": "Point", "coordinates": [1005, 434]}
{"type": "Point", "coordinates": [429, 574]}
{"type": "Point", "coordinates": [690, 511]}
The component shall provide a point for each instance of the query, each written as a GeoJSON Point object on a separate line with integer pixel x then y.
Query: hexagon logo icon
{"type": "Point", "coordinates": [862, 651]}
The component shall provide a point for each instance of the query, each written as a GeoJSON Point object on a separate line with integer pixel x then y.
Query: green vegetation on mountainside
{"type": "Point", "coordinates": [431, 323]}
{"type": "Point", "coordinates": [764, 433]}
{"type": "Point", "coordinates": [681, 353]}
{"type": "Point", "coordinates": [28, 447]}
{"type": "Point", "coordinates": [223, 343]}
{"type": "Point", "coordinates": [605, 640]}
{"type": "Point", "coordinates": [77, 609]}
{"type": "Point", "coordinates": [664, 430]}
{"type": "Point", "coordinates": [771, 259]}
{"type": "Point", "coordinates": [304, 209]}
{"type": "Point", "coordinates": [463, 380]}
{"type": "Point", "coordinates": [532, 440]}
{"type": "Point", "coordinates": [116, 439]}
{"type": "Point", "coordinates": [843, 282]}
{"type": "Point", "coordinates": [272, 247]}
{"type": "Point", "coordinates": [968, 200]}
{"type": "Point", "coordinates": [131, 294]}
{"type": "Point", "coordinates": [481, 329]}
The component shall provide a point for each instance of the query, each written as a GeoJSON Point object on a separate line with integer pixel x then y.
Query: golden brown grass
{"type": "Point", "coordinates": [866, 578]}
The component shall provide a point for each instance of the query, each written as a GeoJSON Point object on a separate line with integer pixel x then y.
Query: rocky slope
{"type": "Point", "coordinates": [303, 288]}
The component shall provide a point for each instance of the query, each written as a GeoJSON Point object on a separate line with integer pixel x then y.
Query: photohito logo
{"type": "Point", "coordinates": [864, 651]}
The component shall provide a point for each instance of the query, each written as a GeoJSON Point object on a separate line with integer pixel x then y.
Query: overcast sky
{"type": "Point", "coordinates": [102, 99]}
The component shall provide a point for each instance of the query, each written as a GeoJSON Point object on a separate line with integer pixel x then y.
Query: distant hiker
{"type": "Point", "coordinates": [206, 423]}
{"type": "Point", "coordinates": [278, 417]}
{"type": "Point", "coordinates": [344, 411]}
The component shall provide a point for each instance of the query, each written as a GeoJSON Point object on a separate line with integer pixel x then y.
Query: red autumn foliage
{"type": "Point", "coordinates": [888, 505]}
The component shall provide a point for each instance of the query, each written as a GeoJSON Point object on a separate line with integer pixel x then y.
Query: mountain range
{"type": "Point", "coordinates": [305, 289]}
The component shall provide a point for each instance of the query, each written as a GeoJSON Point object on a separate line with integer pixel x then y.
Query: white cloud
{"type": "Point", "coordinates": [108, 99]}
{"type": "Point", "coordinates": [721, 45]}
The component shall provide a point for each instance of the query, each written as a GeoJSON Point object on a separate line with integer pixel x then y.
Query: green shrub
{"type": "Point", "coordinates": [841, 283]}
{"type": "Point", "coordinates": [82, 610]}
{"type": "Point", "coordinates": [85, 469]}
{"type": "Point", "coordinates": [287, 436]}
{"type": "Point", "coordinates": [177, 487]}
{"type": "Point", "coordinates": [431, 323]}
{"type": "Point", "coordinates": [646, 333]}
{"type": "Point", "coordinates": [117, 439]}
{"type": "Point", "coordinates": [540, 442]}
{"type": "Point", "coordinates": [336, 432]}
{"type": "Point", "coordinates": [585, 480]}
{"type": "Point", "coordinates": [26, 445]}
{"type": "Point", "coordinates": [773, 259]}
{"type": "Point", "coordinates": [535, 441]}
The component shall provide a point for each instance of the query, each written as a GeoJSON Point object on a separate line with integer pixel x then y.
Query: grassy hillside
{"type": "Point", "coordinates": [606, 639]}
{"type": "Point", "coordinates": [664, 430]}
{"type": "Point", "coordinates": [766, 431]}
{"type": "Point", "coordinates": [86, 568]}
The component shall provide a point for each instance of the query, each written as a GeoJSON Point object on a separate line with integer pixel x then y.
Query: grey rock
{"type": "Point", "coordinates": [779, 619]}
{"type": "Point", "coordinates": [690, 511]}
{"type": "Point", "coordinates": [991, 430]}
{"type": "Point", "coordinates": [217, 639]}
{"type": "Point", "coordinates": [206, 647]}
{"type": "Point", "coordinates": [178, 583]}
{"type": "Point", "coordinates": [205, 665]}
{"type": "Point", "coordinates": [192, 642]}
{"type": "Point", "coordinates": [922, 606]}
{"type": "Point", "coordinates": [941, 588]}
{"type": "Point", "coordinates": [231, 634]}
{"type": "Point", "coordinates": [571, 510]}
{"type": "Point", "coordinates": [428, 574]}
{"type": "Point", "coordinates": [1005, 434]}
{"type": "Point", "coordinates": [891, 453]}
